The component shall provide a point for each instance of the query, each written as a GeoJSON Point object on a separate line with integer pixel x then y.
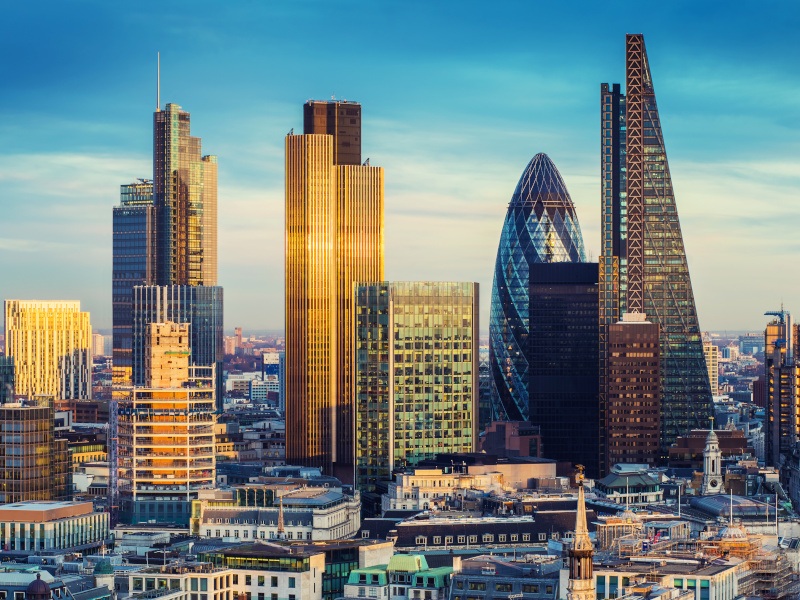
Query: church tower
{"type": "Point", "coordinates": [712, 465]}
{"type": "Point", "coordinates": [581, 579]}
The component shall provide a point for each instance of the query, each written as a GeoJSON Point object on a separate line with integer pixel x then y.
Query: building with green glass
{"type": "Point", "coordinates": [416, 376]}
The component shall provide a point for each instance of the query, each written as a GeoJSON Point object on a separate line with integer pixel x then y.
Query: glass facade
{"type": "Point", "coordinates": [644, 260]}
{"type": "Point", "coordinates": [416, 376]}
{"type": "Point", "coordinates": [563, 360]}
{"type": "Point", "coordinates": [540, 227]}
{"type": "Point", "coordinates": [133, 264]}
{"type": "Point", "coordinates": [334, 238]}
{"type": "Point", "coordinates": [185, 198]}
{"type": "Point", "coordinates": [200, 306]}
{"type": "Point", "coordinates": [6, 379]}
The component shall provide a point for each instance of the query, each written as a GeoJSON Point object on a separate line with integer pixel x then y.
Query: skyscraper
{"type": "Point", "coordinates": [540, 227]}
{"type": "Point", "coordinates": [51, 344]}
{"type": "Point", "coordinates": [334, 238]}
{"type": "Point", "coordinates": [643, 263]}
{"type": "Point", "coordinates": [133, 264]}
{"type": "Point", "coordinates": [185, 199]}
{"type": "Point", "coordinates": [416, 376]}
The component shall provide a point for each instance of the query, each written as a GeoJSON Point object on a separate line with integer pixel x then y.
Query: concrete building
{"type": "Point", "coordinates": [405, 577]}
{"type": "Point", "coordinates": [260, 511]}
{"type": "Point", "coordinates": [711, 352]}
{"type": "Point", "coordinates": [492, 577]}
{"type": "Point", "coordinates": [166, 433]}
{"type": "Point", "coordinates": [51, 344]}
{"type": "Point", "coordinates": [45, 527]}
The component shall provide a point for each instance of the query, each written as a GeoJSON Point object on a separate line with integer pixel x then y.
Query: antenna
{"type": "Point", "coordinates": [158, 81]}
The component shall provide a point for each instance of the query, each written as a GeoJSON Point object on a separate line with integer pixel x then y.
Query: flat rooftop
{"type": "Point", "coordinates": [42, 511]}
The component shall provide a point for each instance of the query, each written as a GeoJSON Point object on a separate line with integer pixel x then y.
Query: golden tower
{"type": "Point", "coordinates": [334, 238]}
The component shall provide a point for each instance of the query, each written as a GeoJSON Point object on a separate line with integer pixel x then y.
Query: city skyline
{"type": "Point", "coordinates": [74, 129]}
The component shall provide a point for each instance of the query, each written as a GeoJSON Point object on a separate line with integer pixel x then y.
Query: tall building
{"type": "Point", "coordinates": [198, 306]}
{"type": "Point", "coordinates": [342, 120]}
{"type": "Point", "coordinates": [51, 344]}
{"type": "Point", "coordinates": [563, 361]}
{"type": "Point", "coordinates": [643, 267]}
{"type": "Point", "coordinates": [133, 264]}
{"type": "Point", "coordinates": [782, 376]}
{"type": "Point", "coordinates": [185, 199]}
{"type": "Point", "coordinates": [334, 238]}
{"type": "Point", "coordinates": [416, 376]}
{"type": "Point", "coordinates": [633, 428]}
{"type": "Point", "coordinates": [166, 433]}
{"type": "Point", "coordinates": [711, 352]}
{"type": "Point", "coordinates": [540, 227]}
{"type": "Point", "coordinates": [34, 465]}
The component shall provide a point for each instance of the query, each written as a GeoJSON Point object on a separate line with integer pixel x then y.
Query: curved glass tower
{"type": "Point", "coordinates": [540, 227]}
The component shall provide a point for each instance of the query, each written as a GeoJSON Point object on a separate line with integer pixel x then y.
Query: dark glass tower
{"type": "Point", "coordinates": [540, 227]}
{"type": "Point", "coordinates": [133, 264]}
{"type": "Point", "coordinates": [643, 266]}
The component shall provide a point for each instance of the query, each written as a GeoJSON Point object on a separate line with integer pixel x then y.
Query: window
{"type": "Point", "coordinates": [473, 539]}
{"type": "Point", "coordinates": [261, 580]}
{"type": "Point", "coordinates": [488, 537]}
{"type": "Point", "coordinates": [501, 537]}
{"type": "Point", "coordinates": [542, 537]}
{"type": "Point", "coordinates": [502, 587]}
{"type": "Point", "coordinates": [448, 539]}
{"type": "Point", "coordinates": [365, 533]}
{"type": "Point", "coordinates": [291, 582]}
{"type": "Point", "coordinates": [526, 537]}
{"type": "Point", "coordinates": [462, 539]}
{"type": "Point", "coordinates": [476, 585]}
{"type": "Point", "coordinates": [514, 537]}
{"type": "Point", "coordinates": [208, 533]}
{"type": "Point", "coordinates": [248, 580]}
{"type": "Point", "coordinates": [530, 588]}
{"type": "Point", "coordinates": [235, 579]}
{"type": "Point", "coordinates": [421, 539]}
{"type": "Point", "coordinates": [274, 581]}
{"type": "Point", "coordinates": [437, 540]}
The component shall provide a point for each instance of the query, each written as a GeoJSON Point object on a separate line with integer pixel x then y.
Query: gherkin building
{"type": "Point", "coordinates": [540, 227]}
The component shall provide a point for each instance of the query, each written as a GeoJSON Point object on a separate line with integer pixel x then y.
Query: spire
{"type": "Point", "coordinates": [158, 81]}
{"type": "Point", "coordinates": [582, 540]}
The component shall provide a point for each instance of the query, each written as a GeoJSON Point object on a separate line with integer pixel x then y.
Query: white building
{"type": "Point", "coordinates": [45, 526]}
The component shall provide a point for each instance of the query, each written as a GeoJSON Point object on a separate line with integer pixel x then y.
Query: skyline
{"type": "Point", "coordinates": [447, 185]}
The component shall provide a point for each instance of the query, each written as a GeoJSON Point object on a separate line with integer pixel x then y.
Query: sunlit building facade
{"type": "Point", "coordinates": [540, 227]}
{"type": "Point", "coordinates": [416, 377]}
{"type": "Point", "coordinates": [133, 264]}
{"type": "Point", "coordinates": [334, 238]}
{"type": "Point", "coordinates": [51, 344]}
{"type": "Point", "coordinates": [185, 199]}
{"type": "Point", "coordinates": [166, 433]}
{"type": "Point", "coordinates": [643, 262]}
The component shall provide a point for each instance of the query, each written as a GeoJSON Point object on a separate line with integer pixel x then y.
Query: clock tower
{"type": "Point", "coordinates": [712, 465]}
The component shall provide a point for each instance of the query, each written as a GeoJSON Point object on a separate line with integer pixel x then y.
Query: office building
{"type": "Point", "coordinates": [185, 200]}
{"type": "Point", "coordinates": [416, 376]}
{"type": "Point", "coordinates": [782, 377]}
{"type": "Point", "coordinates": [563, 360]}
{"type": "Point", "coordinates": [52, 527]}
{"type": "Point", "coordinates": [643, 267]}
{"type": "Point", "coordinates": [198, 306]}
{"type": "Point", "coordinates": [540, 227]}
{"type": "Point", "coordinates": [633, 393]}
{"type": "Point", "coordinates": [133, 264]}
{"type": "Point", "coordinates": [34, 465]}
{"type": "Point", "coordinates": [711, 353]}
{"type": "Point", "coordinates": [51, 344]}
{"type": "Point", "coordinates": [342, 120]}
{"type": "Point", "coordinates": [165, 433]}
{"type": "Point", "coordinates": [334, 238]}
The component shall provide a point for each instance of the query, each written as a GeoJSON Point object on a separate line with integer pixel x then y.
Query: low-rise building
{"type": "Point", "coordinates": [494, 577]}
{"type": "Point", "coordinates": [406, 576]}
{"type": "Point", "coordinates": [30, 527]}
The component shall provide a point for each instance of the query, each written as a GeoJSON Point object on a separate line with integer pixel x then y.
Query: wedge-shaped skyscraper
{"type": "Point", "coordinates": [540, 227]}
{"type": "Point", "coordinates": [643, 266]}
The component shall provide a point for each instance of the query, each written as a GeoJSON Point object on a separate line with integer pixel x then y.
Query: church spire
{"type": "Point", "coordinates": [581, 579]}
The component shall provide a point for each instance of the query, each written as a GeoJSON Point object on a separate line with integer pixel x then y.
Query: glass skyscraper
{"type": "Point", "coordinates": [540, 227]}
{"type": "Point", "coordinates": [133, 264]}
{"type": "Point", "coordinates": [334, 238]}
{"type": "Point", "coordinates": [199, 306]}
{"type": "Point", "coordinates": [643, 265]}
{"type": "Point", "coordinates": [416, 376]}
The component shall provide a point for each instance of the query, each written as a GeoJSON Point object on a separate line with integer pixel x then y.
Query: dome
{"type": "Point", "coordinates": [630, 516]}
{"type": "Point", "coordinates": [733, 533]}
{"type": "Point", "coordinates": [540, 227]}
{"type": "Point", "coordinates": [37, 588]}
{"type": "Point", "coordinates": [712, 437]}
{"type": "Point", "coordinates": [103, 568]}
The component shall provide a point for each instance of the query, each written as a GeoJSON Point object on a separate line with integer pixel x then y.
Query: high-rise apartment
{"type": "Point", "coordinates": [416, 376]}
{"type": "Point", "coordinates": [133, 264]}
{"type": "Point", "coordinates": [711, 352]}
{"type": "Point", "coordinates": [783, 389]}
{"type": "Point", "coordinates": [334, 238]}
{"type": "Point", "coordinates": [643, 267]}
{"type": "Point", "coordinates": [633, 429]}
{"type": "Point", "coordinates": [51, 344]}
{"type": "Point", "coordinates": [540, 227]}
{"type": "Point", "coordinates": [34, 465]}
{"type": "Point", "coordinates": [166, 432]}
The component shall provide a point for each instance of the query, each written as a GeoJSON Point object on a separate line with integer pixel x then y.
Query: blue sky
{"type": "Point", "coordinates": [457, 97]}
